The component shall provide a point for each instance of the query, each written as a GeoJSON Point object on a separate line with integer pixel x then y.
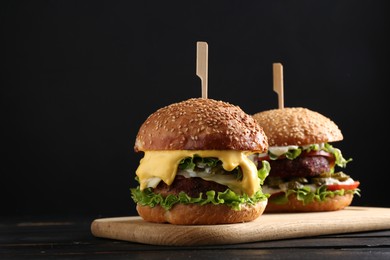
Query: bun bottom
{"type": "Point", "coordinates": [294, 205]}
{"type": "Point", "coordinates": [209, 214]}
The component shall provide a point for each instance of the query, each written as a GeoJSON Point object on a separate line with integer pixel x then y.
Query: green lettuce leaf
{"type": "Point", "coordinates": [192, 162]}
{"type": "Point", "coordinates": [228, 197]}
{"type": "Point", "coordinates": [307, 196]}
{"type": "Point", "coordinates": [263, 172]}
{"type": "Point", "coordinates": [340, 160]}
{"type": "Point", "coordinates": [293, 153]}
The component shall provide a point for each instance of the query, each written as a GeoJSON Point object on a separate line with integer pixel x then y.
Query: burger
{"type": "Point", "coordinates": [305, 173]}
{"type": "Point", "coordinates": [199, 165]}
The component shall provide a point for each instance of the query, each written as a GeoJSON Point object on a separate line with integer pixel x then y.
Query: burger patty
{"type": "Point", "coordinates": [303, 166]}
{"type": "Point", "coordinates": [191, 186]}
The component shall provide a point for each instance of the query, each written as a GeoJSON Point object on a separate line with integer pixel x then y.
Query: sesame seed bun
{"type": "Point", "coordinates": [201, 124]}
{"type": "Point", "coordinates": [208, 214]}
{"type": "Point", "coordinates": [297, 126]}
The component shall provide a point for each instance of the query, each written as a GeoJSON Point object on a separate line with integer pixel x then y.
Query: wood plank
{"type": "Point", "coordinates": [266, 227]}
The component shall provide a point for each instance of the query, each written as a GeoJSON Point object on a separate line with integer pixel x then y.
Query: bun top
{"type": "Point", "coordinates": [297, 126]}
{"type": "Point", "coordinates": [201, 124]}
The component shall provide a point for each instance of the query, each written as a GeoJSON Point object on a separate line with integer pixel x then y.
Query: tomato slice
{"type": "Point", "coordinates": [351, 186]}
{"type": "Point", "coordinates": [279, 193]}
{"type": "Point", "coordinates": [263, 158]}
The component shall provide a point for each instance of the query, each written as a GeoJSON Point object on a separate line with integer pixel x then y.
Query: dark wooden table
{"type": "Point", "coordinates": [70, 238]}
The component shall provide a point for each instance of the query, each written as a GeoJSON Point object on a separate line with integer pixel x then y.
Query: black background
{"type": "Point", "coordinates": [78, 78]}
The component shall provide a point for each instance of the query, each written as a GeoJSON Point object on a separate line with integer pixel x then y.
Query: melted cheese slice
{"type": "Point", "coordinates": [163, 165]}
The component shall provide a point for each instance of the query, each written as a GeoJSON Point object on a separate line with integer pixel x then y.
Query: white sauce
{"type": "Point", "coordinates": [280, 150]}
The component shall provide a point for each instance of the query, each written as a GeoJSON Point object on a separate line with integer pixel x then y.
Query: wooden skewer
{"type": "Point", "coordinates": [201, 65]}
{"type": "Point", "coordinates": [278, 83]}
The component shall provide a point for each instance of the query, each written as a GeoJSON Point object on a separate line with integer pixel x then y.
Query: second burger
{"type": "Point", "coordinates": [304, 175]}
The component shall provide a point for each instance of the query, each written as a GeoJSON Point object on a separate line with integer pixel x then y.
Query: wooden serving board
{"type": "Point", "coordinates": [266, 227]}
